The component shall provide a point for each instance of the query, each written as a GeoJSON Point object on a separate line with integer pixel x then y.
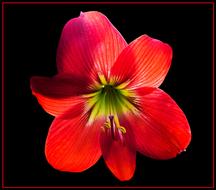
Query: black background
{"type": "Point", "coordinates": [31, 34]}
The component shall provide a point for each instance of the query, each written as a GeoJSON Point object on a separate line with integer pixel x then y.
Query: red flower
{"type": "Point", "coordinates": [106, 100]}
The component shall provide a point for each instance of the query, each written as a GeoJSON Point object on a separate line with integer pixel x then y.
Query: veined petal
{"type": "Point", "coordinates": [119, 155]}
{"type": "Point", "coordinates": [58, 93]}
{"type": "Point", "coordinates": [89, 44]}
{"type": "Point", "coordinates": [162, 131]}
{"type": "Point", "coordinates": [144, 62]}
{"type": "Point", "coordinates": [71, 145]}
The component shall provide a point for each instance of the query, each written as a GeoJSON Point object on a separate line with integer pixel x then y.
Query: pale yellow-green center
{"type": "Point", "coordinates": [110, 99]}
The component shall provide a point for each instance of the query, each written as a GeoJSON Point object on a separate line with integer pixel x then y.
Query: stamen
{"type": "Point", "coordinates": [121, 136]}
{"type": "Point", "coordinates": [122, 85]}
{"type": "Point", "coordinates": [90, 95]}
{"type": "Point", "coordinates": [107, 125]}
{"type": "Point", "coordinates": [116, 129]}
{"type": "Point", "coordinates": [102, 79]}
{"type": "Point", "coordinates": [121, 128]}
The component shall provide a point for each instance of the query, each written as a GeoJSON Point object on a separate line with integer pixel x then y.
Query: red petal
{"type": "Point", "coordinates": [89, 43]}
{"type": "Point", "coordinates": [120, 157]}
{"type": "Point", "coordinates": [162, 131]}
{"type": "Point", "coordinates": [59, 93]}
{"type": "Point", "coordinates": [145, 62]}
{"type": "Point", "coordinates": [71, 145]}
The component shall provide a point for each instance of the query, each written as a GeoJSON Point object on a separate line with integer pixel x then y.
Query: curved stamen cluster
{"type": "Point", "coordinates": [116, 129]}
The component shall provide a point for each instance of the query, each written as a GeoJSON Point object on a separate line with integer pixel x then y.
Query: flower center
{"type": "Point", "coordinates": [108, 100]}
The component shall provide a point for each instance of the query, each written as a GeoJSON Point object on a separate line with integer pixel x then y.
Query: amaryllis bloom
{"type": "Point", "coordinates": [106, 100]}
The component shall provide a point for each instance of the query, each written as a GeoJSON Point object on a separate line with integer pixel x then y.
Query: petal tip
{"type": "Point", "coordinates": [81, 14]}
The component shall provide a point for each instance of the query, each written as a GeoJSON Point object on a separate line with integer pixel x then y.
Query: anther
{"type": "Point", "coordinates": [122, 129]}
{"type": "Point", "coordinates": [107, 124]}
